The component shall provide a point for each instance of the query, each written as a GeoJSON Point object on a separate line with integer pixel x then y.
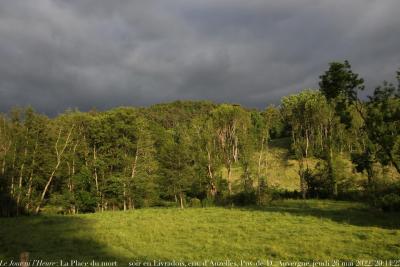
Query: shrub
{"type": "Point", "coordinates": [8, 206]}
{"type": "Point", "coordinates": [165, 204]}
{"type": "Point", "coordinates": [207, 202]}
{"type": "Point", "coordinates": [195, 203]}
{"type": "Point", "coordinates": [263, 196]}
{"type": "Point", "coordinates": [86, 201]}
{"type": "Point", "coordinates": [390, 202]}
{"type": "Point", "coordinates": [318, 184]}
{"type": "Point", "coordinates": [244, 198]}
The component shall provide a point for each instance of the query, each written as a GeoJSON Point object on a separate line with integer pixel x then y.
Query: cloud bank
{"type": "Point", "coordinates": [58, 54]}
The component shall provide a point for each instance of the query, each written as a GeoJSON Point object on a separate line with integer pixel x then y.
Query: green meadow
{"type": "Point", "coordinates": [291, 230]}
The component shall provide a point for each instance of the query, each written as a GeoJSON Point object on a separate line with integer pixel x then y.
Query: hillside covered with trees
{"type": "Point", "coordinates": [327, 141]}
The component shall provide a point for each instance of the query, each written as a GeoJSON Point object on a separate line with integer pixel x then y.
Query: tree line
{"type": "Point", "coordinates": [183, 153]}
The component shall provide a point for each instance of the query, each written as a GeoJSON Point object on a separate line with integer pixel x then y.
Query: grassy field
{"type": "Point", "coordinates": [287, 230]}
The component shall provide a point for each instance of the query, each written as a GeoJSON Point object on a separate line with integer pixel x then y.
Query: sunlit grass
{"type": "Point", "coordinates": [287, 230]}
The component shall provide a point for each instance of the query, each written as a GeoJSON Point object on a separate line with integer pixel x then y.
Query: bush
{"type": "Point", "coordinates": [8, 206]}
{"type": "Point", "coordinates": [222, 198]}
{"type": "Point", "coordinates": [86, 202]}
{"type": "Point", "coordinates": [390, 202]}
{"type": "Point", "coordinates": [165, 204]}
{"type": "Point", "coordinates": [58, 204]}
{"type": "Point", "coordinates": [207, 202]}
{"type": "Point", "coordinates": [263, 195]}
{"type": "Point", "coordinates": [244, 198]}
{"type": "Point", "coordinates": [318, 184]}
{"type": "Point", "coordinates": [276, 193]}
{"type": "Point", "coordinates": [352, 195]}
{"type": "Point", "coordinates": [195, 203]}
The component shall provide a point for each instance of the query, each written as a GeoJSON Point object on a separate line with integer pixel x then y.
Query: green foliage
{"type": "Point", "coordinates": [318, 185]}
{"type": "Point", "coordinates": [177, 164]}
{"type": "Point", "coordinates": [382, 124]}
{"type": "Point", "coordinates": [195, 203]}
{"type": "Point", "coordinates": [207, 203]}
{"type": "Point", "coordinates": [312, 121]}
{"type": "Point", "coordinates": [308, 114]}
{"type": "Point", "coordinates": [86, 201]}
{"type": "Point", "coordinates": [245, 198]}
{"type": "Point", "coordinates": [340, 82]}
{"type": "Point", "coordinates": [390, 202]}
{"type": "Point", "coordinates": [231, 124]}
{"type": "Point", "coordinates": [381, 116]}
{"type": "Point", "coordinates": [264, 195]}
{"type": "Point", "coordinates": [127, 158]}
{"type": "Point", "coordinates": [170, 114]}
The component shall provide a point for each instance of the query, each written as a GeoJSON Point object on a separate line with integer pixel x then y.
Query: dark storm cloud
{"type": "Point", "coordinates": [98, 53]}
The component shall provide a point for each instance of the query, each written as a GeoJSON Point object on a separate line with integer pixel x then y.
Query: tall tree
{"type": "Point", "coordinates": [142, 185]}
{"type": "Point", "coordinates": [205, 151]}
{"type": "Point", "coordinates": [339, 81]}
{"type": "Point", "coordinates": [382, 123]}
{"type": "Point", "coordinates": [312, 122]}
{"type": "Point", "coordinates": [340, 85]}
{"type": "Point", "coordinates": [177, 164]}
{"type": "Point", "coordinates": [263, 123]}
{"type": "Point", "coordinates": [61, 132]}
{"type": "Point", "coordinates": [230, 123]}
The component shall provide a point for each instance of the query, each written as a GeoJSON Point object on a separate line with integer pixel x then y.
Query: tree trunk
{"type": "Point", "coordinates": [46, 187]}
{"type": "Point", "coordinates": [3, 165]}
{"type": "Point", "coordinates": [85, 151]}
{"type": "Point", "coordinates": [103, 202]}
{"type": "Point", "coordinates": [58, 155]}
{"type": "Point", "coordinates": [21, 172]}
{"type": "Point", "coordinates": [181, 200]}
{"type": "Point", "coordinates": [133, 173]}
{"type": "Point", "coordinates": [394, 163]}
{"type": "Point", "coordinates": [13, 171]}
{"type": "Point", "coordinates": [331, 173]}
{"type": "Point", "coordinates": [30, 180]}
{"type": "Point", "coordinates": [396, 166]}
{"type": "Point", "coordinates": [131, 204]}
{"type": "Point", "coordinates": [303, 186]}
{"type": "Point", "coordinates": [213, 188]}
{"type": "Point", "coordinates": [370, 175]}
{"type": "Point", "coordinates": [71, 184]}
{"type": "Point", "coordinates": [124, 196]}
{"type": "Point", "coordinates": [96, 179]}
{"type": "Point", "coordinates": [229, 179]}
{"type": "Point", "coordinates": [307, 146]}
{"type": "Point", "coordinates": [259, 170]}
{"type": "Point", "coordinates": [6, 148]}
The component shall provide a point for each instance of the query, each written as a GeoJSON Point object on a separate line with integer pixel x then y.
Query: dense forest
{"type": "Point", "coordinates": [184, 153]}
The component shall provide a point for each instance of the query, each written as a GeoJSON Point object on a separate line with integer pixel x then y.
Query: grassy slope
{"type": "Point", "coordinates": [285, 231]}
{"type": "Point", "coordinates": [283, 169]}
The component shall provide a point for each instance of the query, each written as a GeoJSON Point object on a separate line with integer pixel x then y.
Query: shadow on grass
{"type": "Point", "coordinates": [282, 150]}
{"type": "Point", "coordinates": [53, 238]}
{"type": "Point", "coordinates": [338, 211]}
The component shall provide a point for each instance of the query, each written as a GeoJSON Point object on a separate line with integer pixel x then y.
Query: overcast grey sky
{"type": "Point", "coordinates": [58, 54]}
